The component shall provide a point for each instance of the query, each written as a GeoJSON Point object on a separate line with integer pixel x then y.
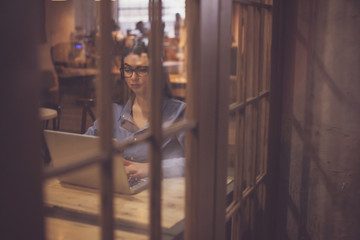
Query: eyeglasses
{"type": "Point", "coordinates": [141, 71]}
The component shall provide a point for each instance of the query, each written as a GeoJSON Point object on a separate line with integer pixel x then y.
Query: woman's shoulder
{"type": "Point", "coordinates": [173, 109]}
{"type": "Point", "coordinates": [174, 103]}
{"type": "Point", "coordinates": [117, 107]}
{"type": "Point", "coordinates": [118, 110]}
{"type": "Point", "coordinates": [171, 105]}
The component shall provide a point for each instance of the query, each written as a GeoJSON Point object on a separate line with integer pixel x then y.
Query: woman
{"type": "Point", "coordinates": [131, 119]}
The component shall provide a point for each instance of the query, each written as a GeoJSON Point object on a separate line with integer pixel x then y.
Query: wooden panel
{"type": "Point", "coordinates": [106, 120]}
{"type": "Point", "coordinates": [20, 157]}
{"type": "Point", "coordinates": [240, 121]}
{"type": "Point", "coordinates": [253, 118]}
{"type": "Point", "coordinates": [191, 143]}
{"type": "Point", "coordinates": [205, 167]}
{"type": "Point", "coordinates": [222, 87]}
{"type": "Point", "coordinates": [155, 118]}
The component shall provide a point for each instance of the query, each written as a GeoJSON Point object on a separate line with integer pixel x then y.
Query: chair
{"type": "Point", "coordinates": [49, 84]}
{"type": "Point", "coordinates": [86, 98]}
{"type": "Point", "coordinates": [50, 97]}
{"type": "Point", "coordinates": [87, 103]}
{"type": "Point", "coordinates": [63, 55]}
{"type": "Point", "coordinates": [47, 114]}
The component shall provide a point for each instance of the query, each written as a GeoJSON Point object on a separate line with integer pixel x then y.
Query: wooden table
{"type": "Point", "coordinates": [77, 72]}
{"type": "Point", "coordinates": [81, 78]}
{"type": "Point", "coordinates": [57, 229]}
{"type": "Point", "coordinates": [69, 209]}
{"type": "Point", "coordinates": [178, 85]}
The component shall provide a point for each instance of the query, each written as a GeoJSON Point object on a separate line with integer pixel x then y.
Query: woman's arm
{"type": "Point", "coordinates": [174, 167]}
{"type": "Point", "coordinates": [136, 169]}
{"type": "Point", "coordinates": [93, 129]}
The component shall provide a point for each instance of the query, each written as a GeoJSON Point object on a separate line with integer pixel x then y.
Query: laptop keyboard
{"type": "Point", "coordinates": [135, 181]}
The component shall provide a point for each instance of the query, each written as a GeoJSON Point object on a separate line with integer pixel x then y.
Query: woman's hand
{"type": "Point", "coordinates": [136, 169]}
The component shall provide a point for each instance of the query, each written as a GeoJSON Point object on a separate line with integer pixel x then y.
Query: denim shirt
{"type": "Point", "coordinates": [173, 163]}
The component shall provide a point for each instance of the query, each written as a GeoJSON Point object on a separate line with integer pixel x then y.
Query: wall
{"type": "Point", "coordinates": [320, 143]}
{"type": "Point", "coordinates": [60, 21]}
{"type": "Point", "coordinates": [21, 207]}
{"type": "Point", "coordinates": [63, 17]}
{"type": "Point", "coordinates": [85, 15]}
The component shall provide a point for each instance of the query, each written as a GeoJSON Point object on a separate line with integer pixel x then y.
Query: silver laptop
{"type": "Point", "coordinates": [65, 148]}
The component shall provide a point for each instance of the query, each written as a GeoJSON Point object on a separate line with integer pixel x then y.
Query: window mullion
{"type": "Point", "coordinates": [240, 160]}
{"type": "Point", "coordinates": [178, 127]}
{"type": "Point", "coordinates": [105, 122]}
{"type": "Point", "coordinates": [155, 125]}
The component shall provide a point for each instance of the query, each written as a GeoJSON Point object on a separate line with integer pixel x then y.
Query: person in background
{"type": "Point", "coordinates": [177, 25]}
{"type": "Point", "coordinates": [131, 118]}
{"type": "Point", "coordinates": [141, 27]}
{"type": "Point", "coordinates": [49, 78]}
{"type": "Point", "coordinates": [90, 54]}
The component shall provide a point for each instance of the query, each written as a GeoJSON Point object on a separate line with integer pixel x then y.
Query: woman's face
{"type": "Point", "coordinates": [136, 72]}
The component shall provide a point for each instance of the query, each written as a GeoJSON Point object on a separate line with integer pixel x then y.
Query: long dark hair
{"type": "Point", "coordinates": [138, 50]}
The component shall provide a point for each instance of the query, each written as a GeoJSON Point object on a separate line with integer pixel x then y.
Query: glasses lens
{"type": "Point", "coordinates": [128, 72]}
{"type": "Point", "coordinates": [142, 71]}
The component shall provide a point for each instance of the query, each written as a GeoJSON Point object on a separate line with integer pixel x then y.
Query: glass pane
{"type": "Point", "coordinates": [68, 63]}
{"type": "Point", "coordinates": [248, 126]}
{"type": "Point", "coordinates": [74, 54]}
{"type": "Point", "coordinates": [266, 50]}
{"type": "Point", "coordinates": [262, 138]}
{"type": "Point", "coordinates": [250, 145]}
{"type": "Point", "coordinates": [79, 203]}
{"type": "Point", "coordinates": [270, 2]}
{"type": "Point", "coordinates": [69, 72]}
{"type": "Point", "coordinates": [250, 45]}
{"type": "Point", "coordinates": [174, 45]}
{"type": "Point", "coordinates": [237, 62]}
{"type": "Point", "coordinates": [232, 148]}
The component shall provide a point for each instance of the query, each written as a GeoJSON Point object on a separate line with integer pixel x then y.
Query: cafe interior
{"type": "Point", "coordinates": [234, 119]}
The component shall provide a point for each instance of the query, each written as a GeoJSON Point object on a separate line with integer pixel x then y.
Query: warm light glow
{"type": "Point", "coordinates": [58, 0]}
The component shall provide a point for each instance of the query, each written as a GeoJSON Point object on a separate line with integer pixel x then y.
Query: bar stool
{"type": "Point", "coordinates": [87, 104]}
{"type": "Point", "coordinates": [46, 114]}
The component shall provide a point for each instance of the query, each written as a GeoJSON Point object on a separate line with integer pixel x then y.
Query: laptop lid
{"type": "Point", "coordinates": [66, 148]}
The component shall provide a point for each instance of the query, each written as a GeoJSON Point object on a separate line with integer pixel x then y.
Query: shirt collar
{"type": "Point", "coordinates": [127, 109]}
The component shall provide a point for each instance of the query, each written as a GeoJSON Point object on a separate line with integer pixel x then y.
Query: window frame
{"type": "Point", "coordinates": [206, 70]}
{"type": "Point", "coordinates": [251, 110]}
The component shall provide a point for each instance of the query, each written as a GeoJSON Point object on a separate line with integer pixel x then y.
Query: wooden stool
{"type": "Point", "coordinates": [47, 114]}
